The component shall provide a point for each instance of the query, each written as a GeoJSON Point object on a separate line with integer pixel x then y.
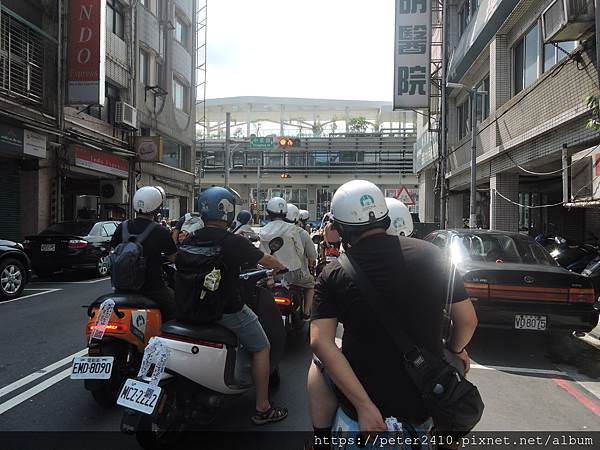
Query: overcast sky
{"type": "Point", "coordinates": [337, 49]}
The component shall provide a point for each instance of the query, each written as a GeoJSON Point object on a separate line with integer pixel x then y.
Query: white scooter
{"type": "Point", "coordinates": [204, 366]}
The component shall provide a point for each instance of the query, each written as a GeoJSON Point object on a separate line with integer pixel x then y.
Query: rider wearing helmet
{"type": "Point", "coordinates": [410, 278]}
{"type": "Point", "coordinates": [217, 209]}
{"type": "Point", "coordinates": [147, 202]}
{"type": "Point", "coordinates": [303, 217]}
{"type": "Point", "coordinates": [243, 225]}
{"type": "Point", "coordinates": [309, 260]}
{"type": "Point", "coordinates": [401, 223]}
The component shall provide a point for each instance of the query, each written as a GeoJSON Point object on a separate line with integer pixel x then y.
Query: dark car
{"type": "Point", "coordinates": [15, 270]}
{"type": "Point", "coordinates": [71, 245]}
{"type": "Point", "coordinates": [515, 283]}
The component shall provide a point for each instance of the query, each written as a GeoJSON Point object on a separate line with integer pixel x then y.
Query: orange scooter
{"type": "Point", "coordinates": [116, 353]}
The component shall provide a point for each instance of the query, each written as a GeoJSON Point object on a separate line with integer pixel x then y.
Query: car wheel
{"type": "Point", "coordinates": [103, 267]}
{"type": "Point", "coordinates": [12, 279]}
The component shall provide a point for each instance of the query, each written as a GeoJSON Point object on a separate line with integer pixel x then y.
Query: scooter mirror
{"type": "Point", "coordinates": [275, 244]}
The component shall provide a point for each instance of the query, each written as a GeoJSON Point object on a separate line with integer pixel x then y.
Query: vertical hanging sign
{"type": "Point", "coordinates": [412, 46]}
{"type": "Point", "coordinates": [87, 51]}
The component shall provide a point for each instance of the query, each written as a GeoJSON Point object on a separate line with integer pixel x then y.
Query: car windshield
{"type": "Point", "coordinates": [74, 228]}
{"type": "Point", "coordinates": [498, 248]}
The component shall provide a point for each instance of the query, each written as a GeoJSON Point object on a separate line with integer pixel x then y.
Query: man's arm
{"type": "Point", "coordinates": [271, 262]}
{"type": "Point", "coordinates": [464, 321]}
{"type": "Point", "coordinates": [322, 342]}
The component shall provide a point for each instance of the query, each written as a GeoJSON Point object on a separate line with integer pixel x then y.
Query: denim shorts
{"type": "Point", "coordinates": [247, 328]}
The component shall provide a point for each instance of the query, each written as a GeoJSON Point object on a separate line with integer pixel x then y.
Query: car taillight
{"type": "Point", "coordinates": [77, 244]}
{"type": "Point", "coordinates": [579, 295]}
{"type": "Point", "coordinates": [477, 290]}
{"type": "Point", "coordinates": [111, 327]}
{"type": "Point", "coordinates": [283, 301]}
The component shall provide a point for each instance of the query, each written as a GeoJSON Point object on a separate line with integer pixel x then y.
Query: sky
{"type": "Point", "coordinates": [334, 49]}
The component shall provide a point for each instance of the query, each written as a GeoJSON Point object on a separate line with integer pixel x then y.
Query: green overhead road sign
{"type": "Point", "coordinates": [261, 142]}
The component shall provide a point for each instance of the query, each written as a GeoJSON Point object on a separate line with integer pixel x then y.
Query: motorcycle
{"type": "Point", "coordinates": [204, 368]}
{"type": "Point", "coordinates": [572, 256]}
{"type": "Point", "coordinates": [119, 327]}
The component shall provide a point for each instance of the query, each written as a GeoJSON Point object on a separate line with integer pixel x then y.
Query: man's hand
{"type": "Point", "coordinates": [464, 357]}
{"type": "Point", "coordinates": [370, 419]}
{"type": "Point", "coordinates": [271, 262]}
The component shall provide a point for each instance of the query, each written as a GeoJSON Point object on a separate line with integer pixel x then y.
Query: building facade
{"type": "Point", "coordinates": [530, 111]}
{"type": "Point", "coordinates": [68, 158]}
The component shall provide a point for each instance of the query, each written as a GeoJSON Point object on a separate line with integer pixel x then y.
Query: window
{"type": "Point", "coordinates": [158, 80]}
{"type": "Point", "coordinates": [440, 240]}
{"type": "Point", "coordinates": [526, 59]}
{"type": "Point", "coordinates": [180, 95]}
{"type": "Point", "coordinates": [144, 3]}
{"type": "Point", "coordinates": [144, 62]}
{"type": "Point", "coordinates": [181, 31]}
{"type": "Point", "coordinates": [110, 228]}
{"type": "Point", "coordinates": [483, 100]}
{"type": "Point", "coordinates": [176, 155]}
{"type": "Point", "coordinates": [464, 117]}
{"type": "Point", "coordinates": [463, 17]}
{"type": "Point", "coordinates": [324, 196]}
{"type": "Point", "coordinates": [553, 54]}
{"type": "Point", "coordinates": [114, 17]}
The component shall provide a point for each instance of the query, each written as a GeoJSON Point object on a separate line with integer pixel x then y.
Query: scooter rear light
{"type": "Point", "coordinates": [284, 301]}
{"type": "Point", "coordinates": [111, 327]}
{"type": "Point", "coordinates": [193, 341]}
{"type": "Point", "coordinates": [577, 295]}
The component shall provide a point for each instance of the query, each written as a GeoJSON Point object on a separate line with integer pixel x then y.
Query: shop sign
{"type": "Point", "coordinates": [101, 162]}
{"type": "Point", "coordinates": [11, 138]}
{"type": "Point", "coordinates": [34, 144]}
{"type": "Point", "coordinates": [412, 47]}
{"type": "Point", "coordinates": [149, 148]}
{"type": "Point", "coordinates": [87, 54]}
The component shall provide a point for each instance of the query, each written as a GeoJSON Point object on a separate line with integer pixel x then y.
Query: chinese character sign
{"type": "Point", "coordinates": [411, 54]}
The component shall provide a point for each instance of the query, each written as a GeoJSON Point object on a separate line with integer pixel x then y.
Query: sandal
{"type": "Point", "coordinates": [271, 415]}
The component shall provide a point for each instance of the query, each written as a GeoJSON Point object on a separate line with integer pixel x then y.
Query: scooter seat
{"type": "Point", "coordinates": [208, 332]}
{"type": "Point", "coordinates": [127, 300]}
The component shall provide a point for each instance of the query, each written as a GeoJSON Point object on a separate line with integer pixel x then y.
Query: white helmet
{"type": "Point", "coordinates": [277, 206]}
{"type": "Point", "coordinates": [358, 203]}
{"type": "Point", "coordinates": [293, 213]}
{"type": "Point", "coordinates": [147, 199]}
{"type": "Point", "coordinates": [304, 215]}
{"type": "Point", "coordinates": [401, 223]}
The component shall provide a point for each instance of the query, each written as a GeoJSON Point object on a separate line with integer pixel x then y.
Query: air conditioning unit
{"type": "Point", "coordinates": [126, 115]}
{"type": "Point", "coordinates": [567, 20]}
{"type": "Point", "coordinates": [113, 192]}
{"type": "Point", "coordinates": [585, 176]}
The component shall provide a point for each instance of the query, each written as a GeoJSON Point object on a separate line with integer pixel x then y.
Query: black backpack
{"type": "Point", "coordinates": [128, 265]}
{"type": "Point", "coordinates": [199, 280]}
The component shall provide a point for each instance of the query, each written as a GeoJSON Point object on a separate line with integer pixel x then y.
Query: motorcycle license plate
{"type": "Point", "coordinates": [133, 396]}
{"type": "Point", "coordinates": [527, 322]}
{"type": "Point", "coordinates": [48, 247]}
{"type": "Point", "coordinates": [92, 367]}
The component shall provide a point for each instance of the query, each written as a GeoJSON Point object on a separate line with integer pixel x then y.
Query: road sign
{"type": "Point", "coordinates": [261, 142]}
{"type": "Point", "coordinates": [405, 197]}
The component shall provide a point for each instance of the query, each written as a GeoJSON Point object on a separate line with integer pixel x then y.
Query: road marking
{"type": "Point", "coordinates": [47, 291]}
{"type": "Point", "coordinates": [98, 280]}
{"type": "Point", "coordinates": [590, 385]}
{"type": "Point", "coordinates": [589, 404]}
{"type": "Point", "coordinates": [17, 400]}
{"type": "Point", "coordinates": [40, 373]}
{"type": "Point", "coordinates": [520, 370]}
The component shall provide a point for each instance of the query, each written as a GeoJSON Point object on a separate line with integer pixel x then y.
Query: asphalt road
{"type": "Point", "coordinates": [524, 390]}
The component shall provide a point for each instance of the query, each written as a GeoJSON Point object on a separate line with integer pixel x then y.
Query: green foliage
{"type": "Point", "coordinates": [593, 103]}
{"type": "Point", "coordinates": [358, 125]}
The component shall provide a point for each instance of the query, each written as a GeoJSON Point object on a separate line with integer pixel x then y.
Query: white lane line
{"type": "Point", "coordinates": [40, 373]}
{"type": "Point", "coordinates": [46, 291]}
{"type": "Point", "coordinates": [73, 282]}
{"type": "Point", "coordinates": [521, 370]}
{"type": "Point", "coordinates": [18, 399]}
{"type": "Point", "coordinates": [589, 384]}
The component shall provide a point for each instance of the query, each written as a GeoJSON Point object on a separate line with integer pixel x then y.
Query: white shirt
{"type": "Point", "coordinates": [291, 253]}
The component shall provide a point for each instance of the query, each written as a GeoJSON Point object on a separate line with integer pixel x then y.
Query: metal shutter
{"type": "Point", "coordinates": [10, 222]}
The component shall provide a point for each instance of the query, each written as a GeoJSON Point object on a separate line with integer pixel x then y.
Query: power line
{"type": "Point", "coordinates": [554, 172]}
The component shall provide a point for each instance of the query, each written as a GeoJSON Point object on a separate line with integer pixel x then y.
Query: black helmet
{"type": "Point", "coordinates": [243, 217]}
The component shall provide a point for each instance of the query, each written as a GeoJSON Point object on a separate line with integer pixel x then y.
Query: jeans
{"type": "Point", "coordinates": [247, 328]}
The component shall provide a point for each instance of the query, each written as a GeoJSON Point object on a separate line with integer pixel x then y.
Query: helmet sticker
{"type": "Point", "coordinates": [140, 204]}
{"type": "Point", "coordinates": [367, 202]}
{"type": "Point", "coordinates": [398, 223]}
{"type": "Point", "coordinates": [281, 206]}
{"type": "Point", "coordinates": [226, 206]}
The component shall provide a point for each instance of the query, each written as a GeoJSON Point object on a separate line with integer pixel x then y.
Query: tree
{"type": "Point", "coordinates": [317, 129]}
{"type": "Point", "coordinates": [593, 103]}
{"type": "Point", "coordinates": [358, 125]}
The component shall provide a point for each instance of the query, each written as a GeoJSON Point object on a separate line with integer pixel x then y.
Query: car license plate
{"type": "Point", "coordinates": [526, 322]}
{"type": "Point", "coordinates": [92, 368]}
{"type": "Point", "coordinates": [133, 396]}
{"type": "Point", "coordinates": [48, 247]}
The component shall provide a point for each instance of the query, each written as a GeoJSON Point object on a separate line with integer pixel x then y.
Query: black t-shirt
{"type": "Point", "coordinates": [159, 242]}
{"type": "Point", "coordinates": [237, 252]}
{"type": "Point", "coordinates": [411, 279]}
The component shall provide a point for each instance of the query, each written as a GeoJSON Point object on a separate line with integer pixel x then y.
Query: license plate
{"type": "Point", "coordinates": [48, 247]}
{"type": "Point", "coordinates": [133, 396]}
{"type": "Point", "coordinates": [526, 322]}
{"type": "Point", "coordinates": [92, 368]}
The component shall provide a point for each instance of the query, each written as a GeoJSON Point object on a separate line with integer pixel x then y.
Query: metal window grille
{"type": "Point", "coordinates": [21, 60]}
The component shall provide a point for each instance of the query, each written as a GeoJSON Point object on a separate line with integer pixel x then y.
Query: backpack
{"type": "Point", "coordinates": [199, 280]}
{"type": "Point", "coordinates": [128, 265]}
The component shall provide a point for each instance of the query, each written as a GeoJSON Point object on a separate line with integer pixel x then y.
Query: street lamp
{"type": "Point", "coordinates": [473, 99]}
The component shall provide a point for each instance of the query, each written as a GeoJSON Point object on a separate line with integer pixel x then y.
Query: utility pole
{"type": "Point", "coordinates": [227, 161]}
{"type": "Point", "coordinates": [443, 135]}
{"type": "Point", "coordinates": [258, 204]}
{"type": "Point", "coordinates": [473, 199]}
{"type": "Point", "coordinates": [598, 39]}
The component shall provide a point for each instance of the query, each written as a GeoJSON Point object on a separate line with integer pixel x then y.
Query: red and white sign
{"type": "Point", "coordinates": [101, 162]}
{"type": "Point", "coordinates": [87, 53]}
{"type": "Point", "coordinates": [405, 197]}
